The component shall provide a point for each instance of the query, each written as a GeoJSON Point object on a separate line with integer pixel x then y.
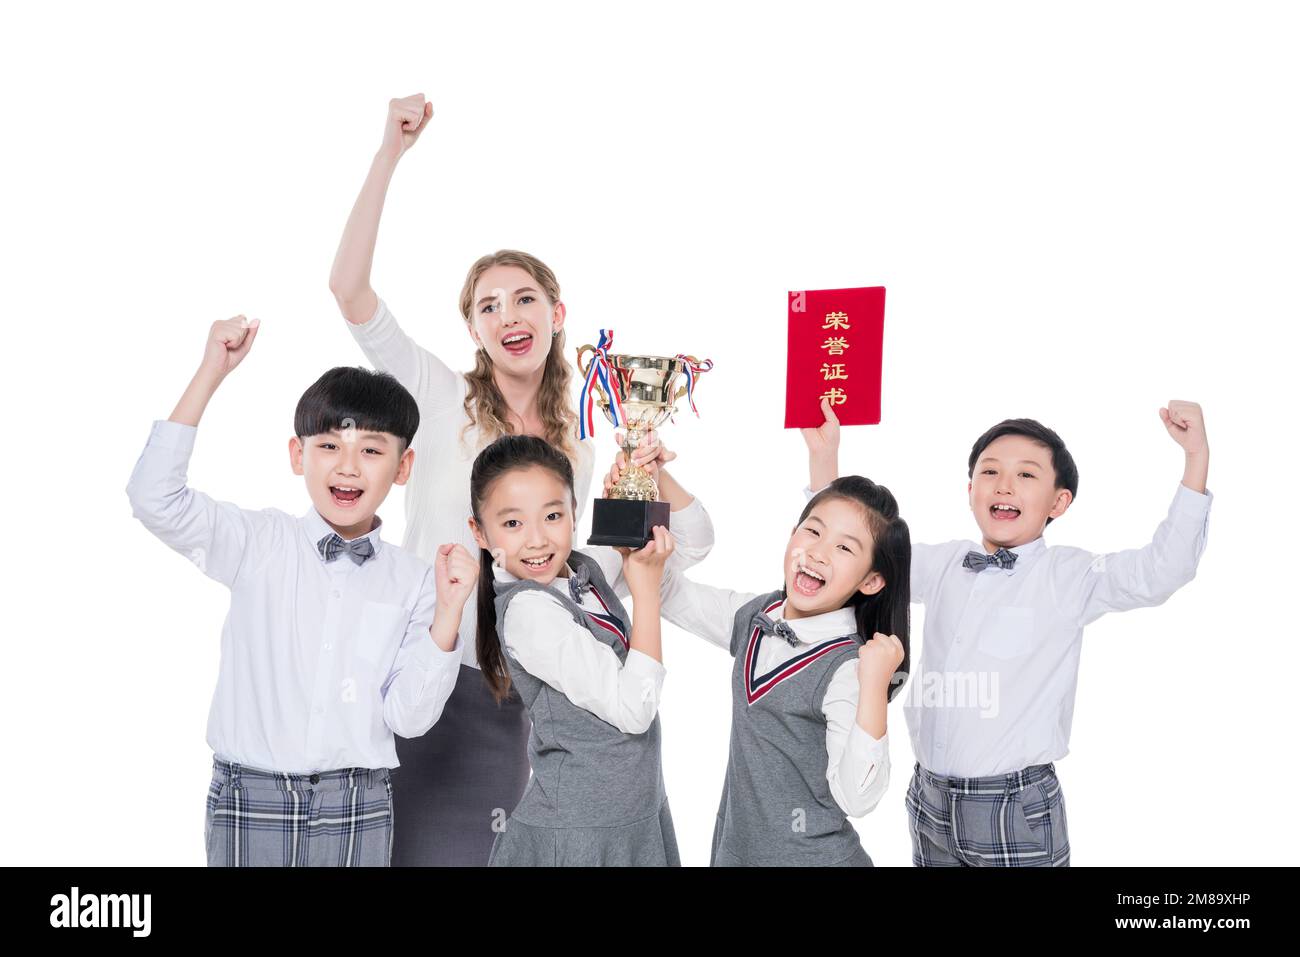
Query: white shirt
{"type": "Point", "coordinates": [1000, 654]}
{"type": "Point", "coordinates": [548, 644]}
{"type": "Point", "coordinates": [321, 662]}
{"type": "Point", "coordinates": [857, 765]}
{"type": "Point", "coordinates": [437, 494]}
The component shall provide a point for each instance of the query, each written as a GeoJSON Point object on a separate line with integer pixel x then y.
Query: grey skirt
{"type": "Point", "coordinates": [457, 783]}
{"type": "Point", "coordinates": [859, 858]}
{"type": "Point", "coordinates": [650, 842]}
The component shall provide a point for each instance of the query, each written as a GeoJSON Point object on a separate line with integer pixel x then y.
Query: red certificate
{"type": "Point", "coordinates": [834, 351]}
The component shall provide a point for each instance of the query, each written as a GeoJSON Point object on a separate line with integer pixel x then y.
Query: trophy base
{"type": "Point", "coordinates": [626, 523]}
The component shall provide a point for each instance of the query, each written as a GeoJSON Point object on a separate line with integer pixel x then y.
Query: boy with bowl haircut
{"type": "Point", "coordinates": [335, 640]}
{"type": "Point", "coordinates": [1008, 612]}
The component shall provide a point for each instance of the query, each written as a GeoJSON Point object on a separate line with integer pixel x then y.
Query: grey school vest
{"type": "Point", "coordinates": [776, 806]}
{"type": "Point", "coordinates": [586, 772]}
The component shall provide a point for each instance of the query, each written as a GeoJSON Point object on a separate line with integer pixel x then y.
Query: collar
{"type": "Point", "coordinates": [316, 528]}
{"type": "Point", "coordinates": [560, 582]}
{"type": "Point", "coordinates": [1025, 554]}
{"type": "Point", "coordinates": [819, 628]}
{"type": "Point", "coordinates": [1029, 550]}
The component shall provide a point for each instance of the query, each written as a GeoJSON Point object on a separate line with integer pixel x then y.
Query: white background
{"type": "Point", "coordinates": [1080, 212]}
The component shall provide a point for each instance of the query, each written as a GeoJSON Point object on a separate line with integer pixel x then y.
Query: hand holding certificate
{"type": "Point", "coordinates": [835, 340]}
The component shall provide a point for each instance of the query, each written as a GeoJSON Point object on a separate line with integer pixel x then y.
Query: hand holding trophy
{"type": "Point", "coordinates": [637, 393]}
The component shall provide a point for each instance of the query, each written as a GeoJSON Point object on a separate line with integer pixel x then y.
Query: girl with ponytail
{"type": "Point", "coordinates": [551, 628]}
{"type": "Point", "coordinates": [816, 663]}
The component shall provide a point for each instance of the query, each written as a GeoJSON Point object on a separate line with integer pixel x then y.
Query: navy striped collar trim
{"type": "Point", "coordinates": [758, 685]}
{"type": "Point", "coordinates": [608, 620]}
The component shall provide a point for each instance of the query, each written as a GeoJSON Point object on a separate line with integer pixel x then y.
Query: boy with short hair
{"type": "Point", "coordinates": [335, 640]}
{"type": "Point", "coordinates": [1010, 611]}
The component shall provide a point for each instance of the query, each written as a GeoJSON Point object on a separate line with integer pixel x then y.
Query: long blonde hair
{"type": "Point", "coordinates": [485, 406]}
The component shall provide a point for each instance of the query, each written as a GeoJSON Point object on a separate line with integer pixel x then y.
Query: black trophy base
{"type": "Point", "coordinates": [629, 524]}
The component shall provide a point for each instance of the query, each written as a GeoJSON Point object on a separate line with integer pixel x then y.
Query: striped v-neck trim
{"type": "Point", "coordinates": [758, 685]}
{"type": "Point", "coordinates": [609, 621]}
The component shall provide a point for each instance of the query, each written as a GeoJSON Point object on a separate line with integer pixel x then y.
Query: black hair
{"type": "Point", "coordinates": [355, 397]}
{"type": "Point", "coordinates": [507, 454]}
{"type": "Point", "coordinates": [1067, 475]}
{"type": "Point", "coordinates": [888, 610]}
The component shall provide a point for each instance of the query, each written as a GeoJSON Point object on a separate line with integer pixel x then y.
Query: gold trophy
{"type": "Point", "coordinates": [636, 394]}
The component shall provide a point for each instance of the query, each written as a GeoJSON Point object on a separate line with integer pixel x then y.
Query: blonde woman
{"type": "Point", "coordinates": [457, 784]}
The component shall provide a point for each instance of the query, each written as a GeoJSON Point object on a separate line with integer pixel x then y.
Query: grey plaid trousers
{"type": "Point", "coordinates": [258, 818]}
{"type": "Point", "coordinates": [1004, 820]}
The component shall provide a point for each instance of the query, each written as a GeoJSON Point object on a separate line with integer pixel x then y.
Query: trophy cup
{"type": "Point", "coordinates": [636, 393]}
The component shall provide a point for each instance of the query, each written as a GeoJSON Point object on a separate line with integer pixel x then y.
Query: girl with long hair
{"type": "Point", "coordinates": [816, 663]}
{"type": "Point", "coordinates": [551, 626]}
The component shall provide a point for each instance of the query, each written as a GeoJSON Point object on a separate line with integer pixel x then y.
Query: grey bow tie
{"type": "Point", "coordinates": [978, 561]}
{"type": "Point", "coordinates": [579, 582]}
{"type": "Point", "coordinates": [332, 546]}
{"type": "Point", "coordinates": [779, 628]}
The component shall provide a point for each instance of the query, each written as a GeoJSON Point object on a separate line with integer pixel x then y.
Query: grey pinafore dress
{"type": "Point", "coordinates": [596, 796]}
{"type": "Point", "coordinates": [777, 808]}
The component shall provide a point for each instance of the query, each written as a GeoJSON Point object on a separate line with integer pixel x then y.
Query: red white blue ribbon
{"type": "Point", "coordinates": [693, 369]}
{"type": "Point", "coordinates": [599, 371]}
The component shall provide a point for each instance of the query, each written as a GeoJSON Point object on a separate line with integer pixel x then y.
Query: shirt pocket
{"type": "Point", "coordinates": [1009, 632]}
{"type": "Point", "coordinates": [380, 630]}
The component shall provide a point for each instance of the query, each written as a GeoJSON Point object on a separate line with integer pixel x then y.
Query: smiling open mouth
{"type": "Point", "coordinates": [1004, 513]}
{"type": "Point", "coordinates": [807, 582]}
{"type": "Point", "coordinates": [538, 564]}
{"type": "Point", "coordinates": [345, 496]}
{"type": "Point", "coordinates": [517, 343]}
